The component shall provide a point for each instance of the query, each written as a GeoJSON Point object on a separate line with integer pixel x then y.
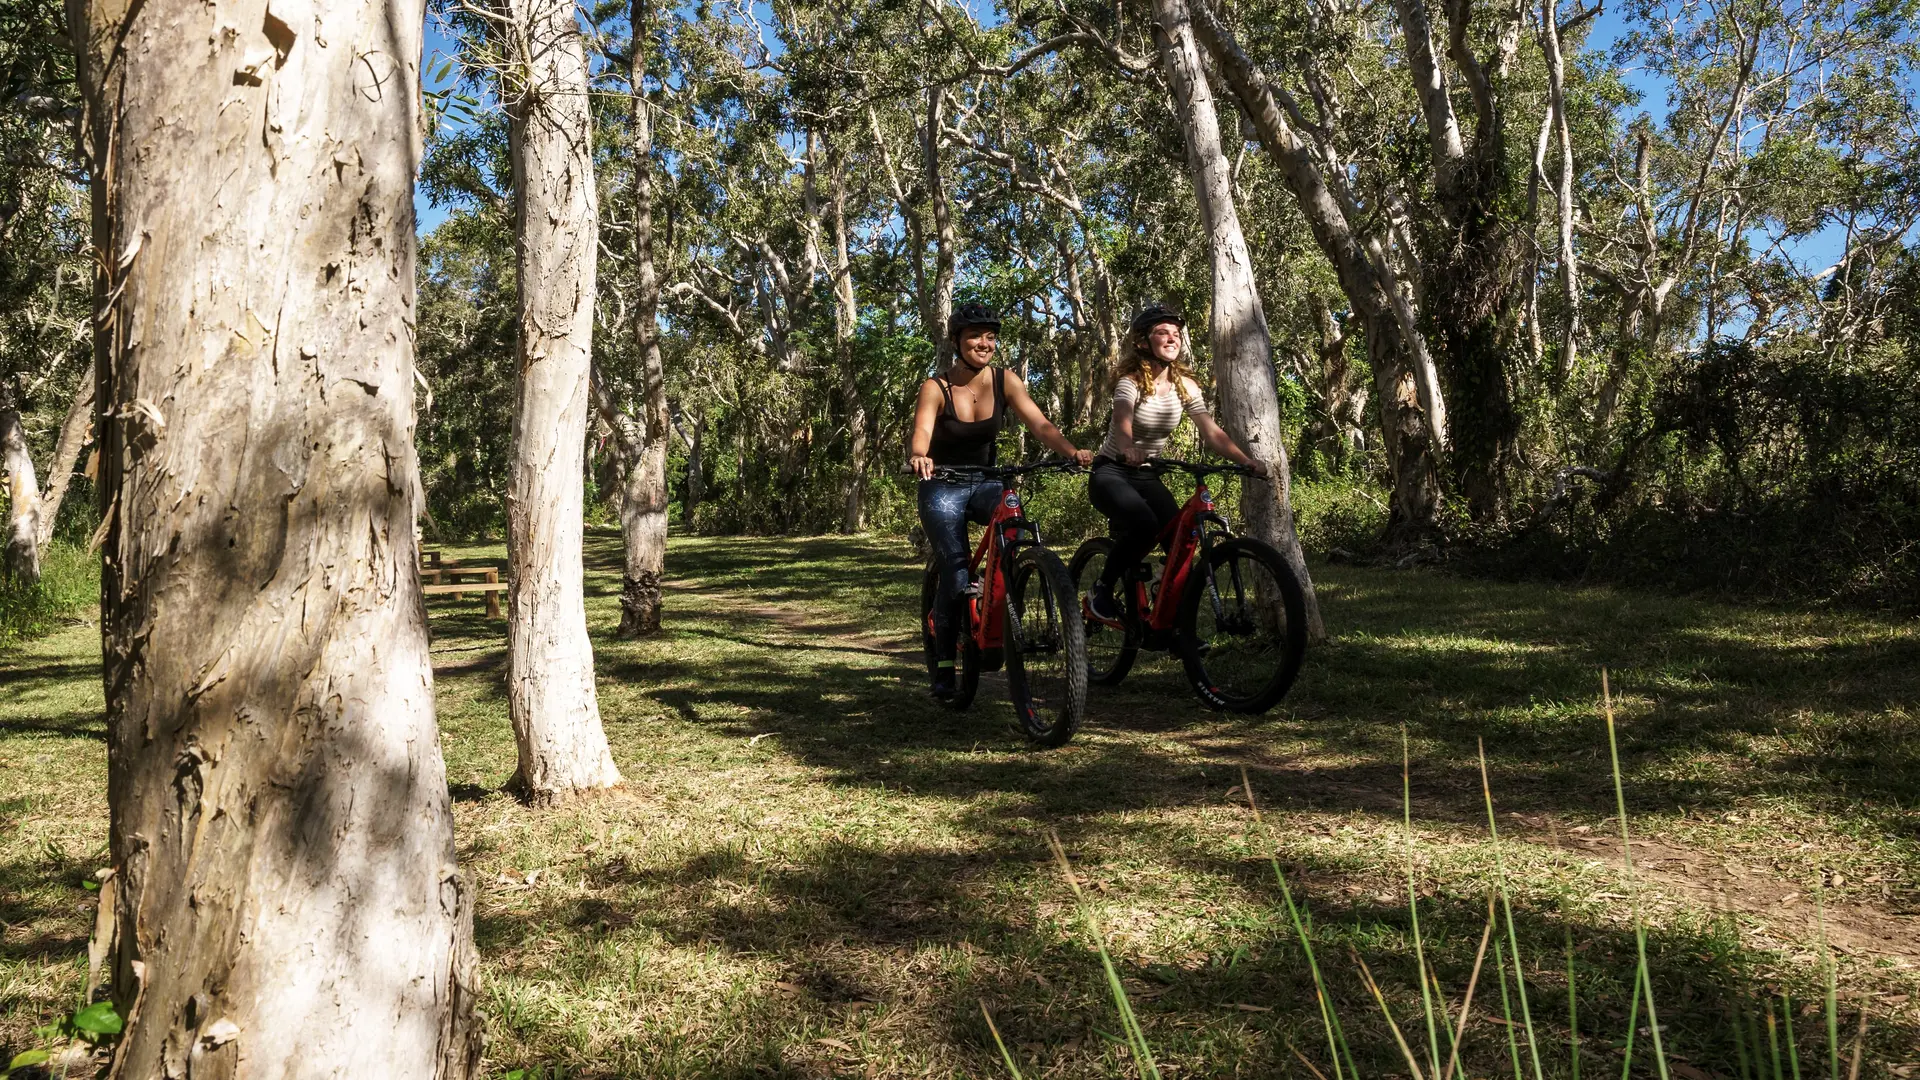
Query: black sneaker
{"type": "Point", "coordinates": [1100, 601]}
{"type": "Point", "coordinates": [943, 688]}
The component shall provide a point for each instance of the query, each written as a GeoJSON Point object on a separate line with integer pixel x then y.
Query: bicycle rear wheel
{"type": "Point", "coordinates": [966, 675]}
{"type": "Point", "coordinates": [1242, 630]}
{"type": "Point", "coordinates": [1046, 648]}
{"type": "Point", "coordinates": [1110, 651]}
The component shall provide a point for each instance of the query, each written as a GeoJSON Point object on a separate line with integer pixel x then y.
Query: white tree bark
{"type": "Point", "coordinates": [66, 454]}
{"type": "Point", "coordinates": [550, 688]}
{"type": "Point", "coordinates": [846, 315]}
{"type": "Point", "coordinates": [939, 307]}
{"type": "Point", "coordinates": [1563, 189]}
{"type": "Point", "coordinates": [287, 901]}
{"type": "Point", "coordinates": [643, 446]}
{"type": "Point", "coordinates": [1242, 350]}
{"type": "Point", "coordinates": [1405, 384]}
{"type": "Point", "coordinates": [22, 558]}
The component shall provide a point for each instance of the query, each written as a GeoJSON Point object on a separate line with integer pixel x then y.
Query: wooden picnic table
{"type": "Point", "coordinates": [444, 578]}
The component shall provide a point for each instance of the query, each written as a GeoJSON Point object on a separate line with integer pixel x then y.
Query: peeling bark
{"type": "Point", "coordinates": [939, 306]}
{"type": "Point", "coordinates": [1242, 349]}
{"type": "Point", "coordinates": [281, 837]}
{"type": "Point", "coordinates": [74, 433]}
{"type": "Point", "coordinates": [643, 460]}
{"type": "Point", "coordinates": [22, 558]}
{"type": "Point", "coordinates": [550, 689]}
{"type": "Point", "coordinates": [1395, 348]}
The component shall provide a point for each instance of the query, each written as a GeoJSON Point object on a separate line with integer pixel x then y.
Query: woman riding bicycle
{"type": "Point", "coordinates": [1154, 389]}
{"type": "Point", "coordinates": [956, 423]}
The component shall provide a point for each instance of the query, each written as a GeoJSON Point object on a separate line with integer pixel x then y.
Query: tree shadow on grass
{"type": "Point", "coordinates": [855, 924]}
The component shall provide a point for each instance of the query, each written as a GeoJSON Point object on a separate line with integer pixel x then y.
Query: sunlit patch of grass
{"type": "Point", "coordinates": [68, 591]}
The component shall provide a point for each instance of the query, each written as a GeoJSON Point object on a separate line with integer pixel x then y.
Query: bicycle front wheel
{"type": "Point", "coordinates": [1046, 648]}
{"type": "Point", "coordinates": [1242, 630]}
{"type": "Point", "coordinates": [1110, 650]}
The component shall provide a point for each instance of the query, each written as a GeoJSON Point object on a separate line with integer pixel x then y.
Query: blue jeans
{"type": "Point", "coordinates": [945, 509]}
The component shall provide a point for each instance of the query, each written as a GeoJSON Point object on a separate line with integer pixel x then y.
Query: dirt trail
{"type": "Point", "coordinates": [1776, 913]}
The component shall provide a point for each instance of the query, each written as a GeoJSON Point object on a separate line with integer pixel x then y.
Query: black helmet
{"type": "Point", "coordinates": [971, 317]}
{"type": "Point", "coordinates": [1153, 315]}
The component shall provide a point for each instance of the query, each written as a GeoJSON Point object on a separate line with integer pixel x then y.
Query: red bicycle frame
{"type": "Point", "coordinates": [1182, 538]}
{"type": "Point", "coordinates": [987, 609]}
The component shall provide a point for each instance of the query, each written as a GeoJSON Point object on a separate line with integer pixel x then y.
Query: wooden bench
{"type": "Point", "coordinates": [489, 584]}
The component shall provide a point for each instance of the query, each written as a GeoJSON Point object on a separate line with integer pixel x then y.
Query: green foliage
{"type": "Point", "coordinates": [1782, 472]}
{"type": "Point", "coordinates": [69, 587]}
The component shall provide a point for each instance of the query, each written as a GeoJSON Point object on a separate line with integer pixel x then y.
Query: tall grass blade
{"type": "Point", "coordinates": [1413, 905]}
{"type": "Point", "coordinates": [1005, 1055]}
{"type": "Point", "coordinates": [1466, 1003]}
{"type": "Point", "coordinates": [1317, 1074]}
{"type": "Point", "coordinates": [1129, 1024]}
{"type": "Point", "coordinates": [1573, 1008]}
{"type": "Point", "coordinates": [1793, 1044]}
{"type": "Point", "coordinates": [1413, 1063]}
{"type": "Point", "coordinates": [1773, 1038]}
{"type": "Point", "coordinates": [1506, 905]}
{"type": "Point", "coordinates": [1633, 1026]}
{"type": "Point", "coordinates": [1859, 1040]}
{"type": "Point", "coordinates": [1832, 977]}
{"type": "Point", "coordinates": [1643, 974]}
{"type": "Point", "coordinates": [1446, 1015]}
{"type": "Point", "coordinates": [1336, 1036]}
{"type": "Point", "coordinates": [1506, 1007]}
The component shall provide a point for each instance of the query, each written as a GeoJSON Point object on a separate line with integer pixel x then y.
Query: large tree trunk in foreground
{"type": "Point", "coordinates": [550, 690]}
{"type": "Point", "coordinates": [66, 454]}
{"type": "Point", "coordinates": [643, 465]}
{"type": "Point", "coordinates": [287, 900]}
{"type": "Point", "coordinates": [1242, 350]}
{"type": "Point", "coordinates": [22, 558]}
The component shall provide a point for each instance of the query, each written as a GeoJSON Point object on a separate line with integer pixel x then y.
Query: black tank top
{"type": "Point", "coordinates": [968, 442]}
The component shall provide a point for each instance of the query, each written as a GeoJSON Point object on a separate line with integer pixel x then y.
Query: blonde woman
{"type": "Point", "coordinates": [1154, 391]}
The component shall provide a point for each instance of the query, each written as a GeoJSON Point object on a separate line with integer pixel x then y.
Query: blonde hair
{"type": "Point", "coordinates": [1136, 363]}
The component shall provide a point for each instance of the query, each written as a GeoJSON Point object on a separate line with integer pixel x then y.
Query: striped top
{"type": "Point", "coordinates": [1154, 417]}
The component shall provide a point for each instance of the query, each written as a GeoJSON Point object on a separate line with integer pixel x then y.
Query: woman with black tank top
{"type": "Point", "coordinates": [956, 423]}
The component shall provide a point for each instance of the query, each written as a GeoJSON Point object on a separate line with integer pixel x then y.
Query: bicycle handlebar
{"type": "Point", "coordinates": [972, 473]}
{"type": "Point", "coordinates": [1200, 470]}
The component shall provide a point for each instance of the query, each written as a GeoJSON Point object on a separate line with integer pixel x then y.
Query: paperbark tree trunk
{"type": "Point", "coordinates": [846, 316]}
{"type": "Point", "coordinates": [1410, 402]}
{"type": "Point", "coordinates": [940, 307]}
{"type": "Point", "coordinates": [22, 559]}
{"type": "Point", "coordinates": [643, 505]}
{"type": "Point", "coordinates": [1242, 350]}
{"type": "Point", "coordinates": [550, 690]}
{"type": "Point", "coordinates": [287, 902]}
{"type": "Point", "coordinates": [66, 454]}
{"type": "Point", "coordinates": [1563, 188]}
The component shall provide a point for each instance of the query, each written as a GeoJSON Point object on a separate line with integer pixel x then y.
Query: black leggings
{"type": "Point", "coordinates": [1137, 506]}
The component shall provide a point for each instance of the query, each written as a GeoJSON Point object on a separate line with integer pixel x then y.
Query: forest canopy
{"type": "Point", "coordinates": [1631, 293]}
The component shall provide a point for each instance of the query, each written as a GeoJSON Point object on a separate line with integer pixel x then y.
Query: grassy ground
{"type": "Point", "coordinates": [68, 589]}
{"type": "Point", "coordinates": [813, 871]}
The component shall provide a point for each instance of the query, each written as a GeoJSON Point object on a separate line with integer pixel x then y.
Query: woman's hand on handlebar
{"type": "Point", "coordinates": [921, 466]}
{"type": "Point", "coordinates": [1257, 467]}
{"type": "Point", "coordinates": [1083, 458]}
{"type": "Point", "coordinates": [1134, 456]}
